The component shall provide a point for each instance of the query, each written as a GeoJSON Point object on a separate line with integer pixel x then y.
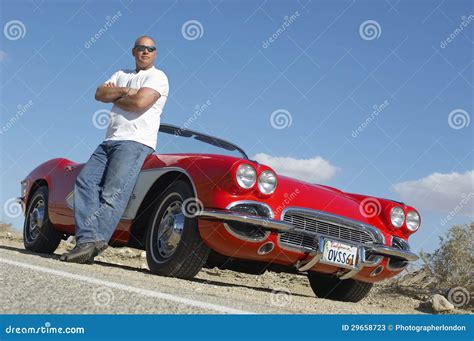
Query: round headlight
{"type": "Point", "coordinates": [267, 182]}
{"type": "Point", "coordinates": [246, 176]}
{"type": "Point", "coordinates": [413, 221]}
{"type": "Point", "coordinates": [397, 216]}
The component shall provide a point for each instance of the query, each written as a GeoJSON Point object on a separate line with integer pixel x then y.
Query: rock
{"type": "Point", "coordinates": [125, 252]}
{"type": "Point", "coordinates": [9, 235]}
{"type": "Point", "coordinates": [143, 254]}
{"type": "Point", "coordinates": [440, 303]}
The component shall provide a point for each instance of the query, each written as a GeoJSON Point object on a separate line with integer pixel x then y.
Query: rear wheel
{"type": "Point", "coordinates": [174, 246]}
{"type": "Point", "coordinates": [333, 288]}
{"type": "Point", "coordinates": [39, 234]}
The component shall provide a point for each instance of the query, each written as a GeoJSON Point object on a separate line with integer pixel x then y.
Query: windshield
{"type": "Point", "coordinates": [173, 139]}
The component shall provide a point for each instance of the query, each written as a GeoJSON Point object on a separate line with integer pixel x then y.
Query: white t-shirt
{"type": "Point", "coordinates": [140, 126]}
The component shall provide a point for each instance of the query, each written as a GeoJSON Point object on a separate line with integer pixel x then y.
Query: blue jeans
{"type": "Point", "coordinates": [104, 186]}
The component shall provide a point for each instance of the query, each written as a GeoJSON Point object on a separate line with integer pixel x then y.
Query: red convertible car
{"type": "Point", "coordinates": [190, 210]}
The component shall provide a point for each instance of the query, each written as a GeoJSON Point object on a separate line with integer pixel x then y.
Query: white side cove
{"type": "Point", "coordinates": [145, 180]}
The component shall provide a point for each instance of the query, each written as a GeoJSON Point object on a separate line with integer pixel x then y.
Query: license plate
{"type": "Point", "coordinates": [340, 254]}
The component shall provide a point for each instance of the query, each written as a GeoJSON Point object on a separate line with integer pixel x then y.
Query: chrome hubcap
{"type": "Point", "coordinates": [36, 219]}
{"type": "Point", "coordinates": [170, 229]}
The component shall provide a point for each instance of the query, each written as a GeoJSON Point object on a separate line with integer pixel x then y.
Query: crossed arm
{"type": "Point", "coordinates": [127, 98]}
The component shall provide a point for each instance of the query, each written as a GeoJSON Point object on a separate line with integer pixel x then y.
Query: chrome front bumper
{"type": "Point", "coordinates": [265, 223]}
{"type": "Point", "coordinates": [280, 226]}
{"type": "Point", "coordinates": [21, 202]}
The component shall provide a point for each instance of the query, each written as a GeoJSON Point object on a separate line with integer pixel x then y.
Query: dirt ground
{"type": "Point", "coordinates": [287, 293]}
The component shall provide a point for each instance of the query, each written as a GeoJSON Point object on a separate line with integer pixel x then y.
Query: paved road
{"type": "Point", "coordinates": [32, 283]}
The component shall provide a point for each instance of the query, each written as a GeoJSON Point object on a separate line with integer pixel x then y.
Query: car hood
{"type": "Point", "coordinates": [296, 193]}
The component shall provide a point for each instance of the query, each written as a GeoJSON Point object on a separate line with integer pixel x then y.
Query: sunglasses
{"type": "Point", "coordinates": [142, 48]}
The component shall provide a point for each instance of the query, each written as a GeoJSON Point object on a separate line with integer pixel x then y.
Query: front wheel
{"type": "Point", "coordinates": [333, 288]}
{"type": "Point", "coordinates": [174, 247]}
{"type": "Point", "coordinates": [39, 234]}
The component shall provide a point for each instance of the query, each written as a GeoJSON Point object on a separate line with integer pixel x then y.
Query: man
{"type": "Point", "coordinates": [104, 185]}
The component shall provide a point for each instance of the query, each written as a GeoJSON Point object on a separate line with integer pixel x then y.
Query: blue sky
{"type": "Point", "coordinates": [383, 111]}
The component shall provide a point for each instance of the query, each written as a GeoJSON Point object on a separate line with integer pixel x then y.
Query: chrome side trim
{"type": "Point", "coordinates": [145, 180]}
{"type": "Point", "coordinates": [70, 200]}
{"type": "Point", "coordinates": [337, 220]}
{"type": "Point", "coordinates": [226, 215]}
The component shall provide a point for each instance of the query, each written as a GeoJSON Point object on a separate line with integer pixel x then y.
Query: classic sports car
{"type": "Point", "coordinates": [190, 210]}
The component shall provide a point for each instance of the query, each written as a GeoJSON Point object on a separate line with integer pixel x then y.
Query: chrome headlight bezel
{"type": "Point", "coordinates": [267, 177]}
{"type": "Point", "coordinates": [413, 221]}
{"type": "Point", "coordinates": [397, 216]}
{"type": "Point", "coordinates": [246, 176]}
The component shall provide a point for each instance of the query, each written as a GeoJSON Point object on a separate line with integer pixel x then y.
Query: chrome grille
{"type": "Point", "coordinates": [321, 224]}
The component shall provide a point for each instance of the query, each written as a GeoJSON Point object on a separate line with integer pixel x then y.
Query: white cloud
{"type": "Point", "coordinates": [440, 192]}
{"type": "Point", "coordinates": [312, 170]}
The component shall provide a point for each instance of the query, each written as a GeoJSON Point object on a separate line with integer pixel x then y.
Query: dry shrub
{"type": "Point", "coordinates": [452, 263]}
{"type": "Point", "coordinates": [5, 227]}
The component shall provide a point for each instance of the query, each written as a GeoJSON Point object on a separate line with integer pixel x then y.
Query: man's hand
{"type": "Point", "coordinates": [108, 92]}
{"type": "Point", "coordinates": [138, 100]}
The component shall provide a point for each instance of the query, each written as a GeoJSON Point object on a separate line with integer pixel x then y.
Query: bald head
{"type": "Point", "coordinates": [144, 40]}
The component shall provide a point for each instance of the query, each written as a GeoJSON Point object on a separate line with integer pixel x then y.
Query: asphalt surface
{"type": "Point", "coordinates": [37, 284]}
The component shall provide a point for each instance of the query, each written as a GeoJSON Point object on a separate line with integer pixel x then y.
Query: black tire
{"type": "Point", "coordinates": [187, 258]}
{"type": "Point", "coordinates": [333, 288]}
{"type": "Point", "coordinates": [39, 234]}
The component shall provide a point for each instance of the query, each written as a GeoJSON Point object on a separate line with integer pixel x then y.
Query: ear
{"type": "Point", "coordinates": [133, 52]}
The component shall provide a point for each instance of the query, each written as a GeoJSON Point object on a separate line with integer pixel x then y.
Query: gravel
{"type": "Point", "coordinates": [120, 282]}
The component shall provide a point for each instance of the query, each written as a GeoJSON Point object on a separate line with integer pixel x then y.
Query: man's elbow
{"type": "Point", "coordinates": [141, 104]}
{"type": "Point", "coordinates": [98, 95]}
